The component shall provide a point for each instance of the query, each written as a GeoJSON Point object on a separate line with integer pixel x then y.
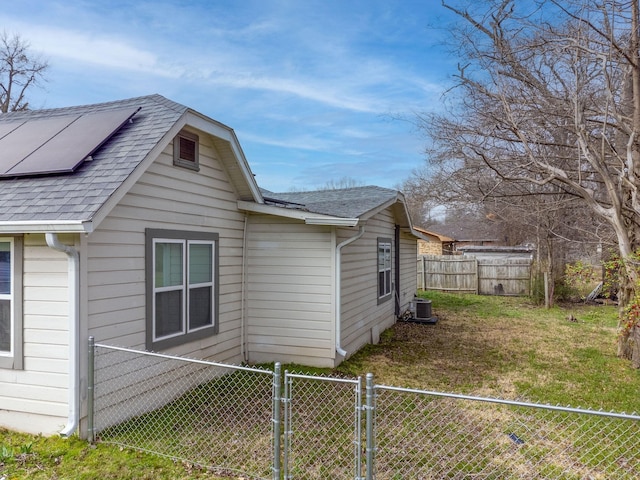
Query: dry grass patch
{"type": "Point", "coordinates": [508, 348]}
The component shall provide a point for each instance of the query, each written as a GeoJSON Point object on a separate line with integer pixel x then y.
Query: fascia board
{"type": "Point", "coordinates": [53, 226]}
{"type": "Point", "coordinates": [379, 208]}
{"type": "Point", "coordinates": [217, 129]}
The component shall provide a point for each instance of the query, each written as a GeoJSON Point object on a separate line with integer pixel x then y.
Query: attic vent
{"type": "Point", "coordinates": [185, 150]}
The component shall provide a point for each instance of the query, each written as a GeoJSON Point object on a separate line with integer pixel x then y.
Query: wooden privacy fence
{"type": "Point", "coordinates": [467, 274]}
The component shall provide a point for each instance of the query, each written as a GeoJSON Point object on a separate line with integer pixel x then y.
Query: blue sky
{"type": "Point", "coordinates": [316, 91]}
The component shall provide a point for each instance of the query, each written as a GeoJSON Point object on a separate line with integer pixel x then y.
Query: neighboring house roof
{"type": "Point", "coordinates": [439, 237]}
{"type": "Point", "coordinates": [524, 249]}
{"type": "Point", "coordinates": [74, 201]}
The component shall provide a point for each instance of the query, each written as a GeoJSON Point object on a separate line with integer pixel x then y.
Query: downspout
{"type": "Point", "coordinates": [338, 292]}
{"type": "Point", "coordinates": [396, 266]}
{"type": "Point", "coordinates": [243, 319]}
{"type": "Point", "coordinates": [74, 320]}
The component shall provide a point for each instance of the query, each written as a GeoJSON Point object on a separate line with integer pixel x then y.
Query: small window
{"type": "Point", "coordinates": [10, 303]}
{"type": "Point", "coordinates": [182, 287]}
{"type": "Point", "coordinates": [185, 150]}
{"type": "Point", "coordinates": [384, 269]}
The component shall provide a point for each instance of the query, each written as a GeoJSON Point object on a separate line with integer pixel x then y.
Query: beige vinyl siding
{"type": "Point", "coordinates": [408, 269]}
{"type": "Point", "coordinates": [290, 287]}
{"type": "Point", "coordinates": [35, 398]}
{"type": "Point", "coordinates": [174, 198]}
{"type": "Point", "coordinates": [363, 318]}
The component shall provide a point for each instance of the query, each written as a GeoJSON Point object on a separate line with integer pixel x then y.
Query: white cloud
{"type": "Point", "coordinates": [83, 47]}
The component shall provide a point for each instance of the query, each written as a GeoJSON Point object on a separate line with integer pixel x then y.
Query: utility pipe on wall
{"type": "Point", "coordinates": [339, 247]}
{"type": "Point", "coordinates": [74, 320]}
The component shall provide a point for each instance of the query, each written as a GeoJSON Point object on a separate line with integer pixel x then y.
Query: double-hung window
{"type": "Point", "coordinates": [182, 287]}
{"type": "Point", "coordinates": [384, 269]}
{"type": "Point", "coordinates": [10, 303]}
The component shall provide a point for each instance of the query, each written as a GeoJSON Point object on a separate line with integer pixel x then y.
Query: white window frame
{"type": "Point", "coordinates": [384, 268]}
{"type": "Point", "coordinates": [170, 288]}
{"type": "Point", "coordinates": [12, 358]}
{"type": "Point", "coordinates": [186, 333]}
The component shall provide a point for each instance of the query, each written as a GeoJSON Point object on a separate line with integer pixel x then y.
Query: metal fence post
{"type": "Point", "coordinates": [90, 391]}
{"type": "Point", "coordinates": [358, 431]}
{"type": "Point", "coordinates": [370, 408]}
{"type": "Point", "coordinates": [287, 423]}
{"type": "Point", "coordinates": [276, 420]}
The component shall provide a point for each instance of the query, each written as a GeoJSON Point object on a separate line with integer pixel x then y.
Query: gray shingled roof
{"type": "Point", "coordinates": [344, 203]}
{"type": "Point", "coordinates": [78, 196]}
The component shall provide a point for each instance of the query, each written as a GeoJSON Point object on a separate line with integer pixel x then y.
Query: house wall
{"type": "Point", "coordinates": [408, 270]}
{"type": "Point", "coordinates": [433, 247]}
{"type": "Point", "coordinates": [173, 198]}
{"type": "Point", "coordinates": [290, 286]}
{"type": "Point", "coordinates": [166, 197]}
{"type": "Point", "coordinates": [363, 319]}
{"type": "Point", "coordinates": [35, 399]}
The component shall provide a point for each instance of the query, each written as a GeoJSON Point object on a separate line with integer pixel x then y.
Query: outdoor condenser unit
{"type": "Point", "coordinates": [421, 309]}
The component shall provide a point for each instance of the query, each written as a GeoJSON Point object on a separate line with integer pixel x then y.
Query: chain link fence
{"type": "Point", "coordinates": [214, 415]}
{"type": "Point", "coordinates": [430, 435]}
{"type": "Point", "coordinates": [240, 422]}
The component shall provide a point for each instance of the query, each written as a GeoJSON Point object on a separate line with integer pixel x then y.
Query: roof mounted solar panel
{"type": "Point", "coordinates": [7, 128]}
{"type": "Point", "coordinates": [58, 144]}
{"type": "Point", "coordinates": [20, 142]}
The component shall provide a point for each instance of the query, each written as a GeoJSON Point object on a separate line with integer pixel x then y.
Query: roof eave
{"type": "Point", "coordinates": [42, 226]}
{"type": "Point", "coordinates": [296, 214]}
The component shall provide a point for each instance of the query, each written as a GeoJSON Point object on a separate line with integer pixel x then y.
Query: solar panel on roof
{"type": "Point", "coordinates": [6, 128]}
{"type": "Point", "coordinates": [22, 141]}
{"type": "Point", "coordinates": [58, 144]}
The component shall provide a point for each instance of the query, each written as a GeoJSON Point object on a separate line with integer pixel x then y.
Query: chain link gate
{"type": "Point", "coordinates": [322, 427]}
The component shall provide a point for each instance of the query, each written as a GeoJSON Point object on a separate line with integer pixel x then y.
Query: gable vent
{"type": "Point", "coordinates": [185, 150]}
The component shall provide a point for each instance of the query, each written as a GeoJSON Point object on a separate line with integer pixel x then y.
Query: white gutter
{"type": "Point", "coordinates": [58, 226]}
{"type": "Point", "coordinates": [339, 349]}
{"type": "Point", "coordinates": [74, 317]}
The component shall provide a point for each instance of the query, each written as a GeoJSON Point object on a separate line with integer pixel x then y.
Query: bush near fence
{"type": "Point", "coordinates": [235, 421]}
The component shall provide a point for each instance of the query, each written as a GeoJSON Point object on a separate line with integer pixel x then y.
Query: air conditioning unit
{"type": "Point", "coordinates": [421, 311]}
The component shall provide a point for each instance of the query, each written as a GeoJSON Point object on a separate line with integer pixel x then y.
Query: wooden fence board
{"type": "Point", "coordinates": [507, 276]}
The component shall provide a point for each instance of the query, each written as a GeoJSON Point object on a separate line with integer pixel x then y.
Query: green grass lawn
{"type": "Point", "coordinates": [509, 348]}
{"type": "Point", "coordinates": [483, 346]}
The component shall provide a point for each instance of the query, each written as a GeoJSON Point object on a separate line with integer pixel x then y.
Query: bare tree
{"type": "Point", "coordinates": [549, 104]}
{"type": "Point", "coordinates": [19, 70]}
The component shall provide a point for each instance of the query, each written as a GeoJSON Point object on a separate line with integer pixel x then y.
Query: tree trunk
{"type": "Point", "coordinates": [628, 324]}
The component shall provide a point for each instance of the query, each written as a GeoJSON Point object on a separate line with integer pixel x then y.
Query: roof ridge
{"type": "Point", "coordinates": [155, 97]}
